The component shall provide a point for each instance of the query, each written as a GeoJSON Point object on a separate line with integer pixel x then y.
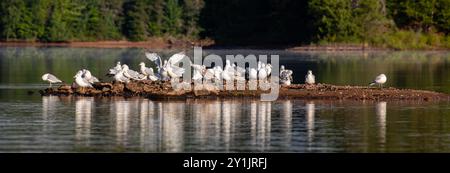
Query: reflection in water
{"type": "Point", "coordinates": [49, 111]}
{"type": "Point", "coordinates": [287, 120]}
{"type": "Point", "coordinates": [49, 106]}
{"type": "Point", "coordinates": [261, 120]}
{"type": "Point", "coordinates": [381, 118]}
{"type": "Point", "coordinates": [206, 122]}
{"type": "Point", "coordinates": [83, 114]}
{"type": "Point", "coordinates": [122, 113]}
{"type": "Point", "coordinates": [310, 110]}
{"type": "Point", "coordinates": [226, 123]}
{"type": "Point", "coordinates": [172, 123]}
{"type": "Point", "coordinates": [217, 125]}
{"type": "Point", "coordinates": [147, 124]}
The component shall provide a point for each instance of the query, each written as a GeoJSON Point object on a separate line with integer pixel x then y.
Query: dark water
{"type": "Point", "coordinates": [31, 123]}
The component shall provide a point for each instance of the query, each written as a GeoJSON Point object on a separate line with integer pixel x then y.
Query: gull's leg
{"type": "Point", "coordinates": [50, 85]}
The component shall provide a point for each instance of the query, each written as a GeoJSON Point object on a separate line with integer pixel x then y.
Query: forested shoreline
{"type": "Point", "coordinates": [394, 24]}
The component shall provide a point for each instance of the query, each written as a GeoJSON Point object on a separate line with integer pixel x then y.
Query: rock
{"type": "Point", "coordinates": [295, 91]}
{"type": "Point", "coordinates": [134, 87]}
{"type": "Point", "coordinates": [101, 85]}
{"type": "Point", "coordinates": [117, 88]}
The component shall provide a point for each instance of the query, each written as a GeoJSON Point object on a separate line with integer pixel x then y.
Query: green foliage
{"type": "Point", "coordinates": [394, 24]}
{"type": "Point", "coordinates": [135, 17]}
{"type": "Point", "coordinates": [367, 21]}
{"type": "Point", "coordinates": [16, 21]}
{"type": "Point", "coordinates": [191, 16]}
{"type": "Point", "coordinates": [156, 14]}
{"type": "Point", "coordinates": [91, 20]}
{"type": "Point", "coordinates": [173, 17]}
{"type": "Point", "coordinates": [333, 19]}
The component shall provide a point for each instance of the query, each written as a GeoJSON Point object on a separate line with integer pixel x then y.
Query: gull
{"type": "Point", "coordinates": [148, 72]}
{"type": "Point", "coordinates": [88, 76]}
{"type": "Point", "coordinates": [174, 72]}
{"type": "Point", "coordinates": [240, 72]}
{"type": "Point", "coordinates": [170, 65]}
{"type": "Point", "coordinates": [80, 81]}
{"type": "Point", "coordinates": [310, 78]}
{"type": "Point", "coordinates": [269, 69]}
{"type": "Point", "coordinates": [262, 72]}
{"type": "Point", "coordinates": [380, 80]}
{"type": "Point", "coordinates": [131, 74]}
{"type": "Point", "coordinates": [252, 74]}
{"type": "Point", "coordinates": [209, 74]}
{"type": "Point", "coordinates": [50, 79]}
{"type": "Point", "coordinates": [218, 73]}
{"type": "Point", "coordinates": [259, 65]}
{"type": "Point", "coordinates": [199, 70]}
{"type": "Point", "coordinates": [159, 65]}
{"type": "Point", "coordinates": [285, 76]}
{"type": "Point", "coordinates": [114, 70]}
{"type": "Point", "coordinates": [228, 72]}
{"type": "Point", "coordinates": [163, 72]}
{"type": "Point", "coordinates": [119, 77]}
{"type": "Point", "coordinates": [168, 69]}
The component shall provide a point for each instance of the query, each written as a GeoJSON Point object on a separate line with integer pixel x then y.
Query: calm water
{"type": "Point", "coordinates": [31, 123]}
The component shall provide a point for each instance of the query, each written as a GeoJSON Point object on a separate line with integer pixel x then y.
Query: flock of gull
{"type": "Point", "coordinates": [168, 70]}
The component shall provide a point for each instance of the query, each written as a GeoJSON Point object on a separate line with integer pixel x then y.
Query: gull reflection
{"type": "Point", "coordinates": [226, 122]}
{"type": "Point", "coordinates": [210, 123]}
{"type": "Point", "coordinates": [287, 120]}
{"type": "Point", "coordinates": [83, 114]}
{"type": "Point", "coordinates": [310, 111]}
{"type": "Point", "coordinates": [122, 113]}
{"type": "Point", "coordinates": [261, 123]}
{"type": "Point", "coordinates": [206, 122]}
{"type": "Point", "coordinates": [49, 106]}
{"type": "Point", "coordinates": [172, 126]}
{"type": "Point", "coordinates": [49, 111]}
{"type": "Point", "coordinates": [381, 118]}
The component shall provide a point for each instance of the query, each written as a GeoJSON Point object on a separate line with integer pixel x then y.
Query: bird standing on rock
{"type": "Point", "coordinates": [148, 72]}
{"type": "Point", "coordinates": [80, 81]}
{"type": "Point", "coordinates": [310, 78]}
{"type": "Point", "coordinates": [380, 80]}
{"type": "Point", "coordinates": [50, 79]}
{"type": "Point", "coordinates": [88, 76]}
{"type": "Point", "coordinates": [285, 76]}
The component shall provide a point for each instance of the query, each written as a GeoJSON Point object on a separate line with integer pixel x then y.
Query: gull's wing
{"type": "Point", "coordinates": [176, 58]}
{"type": "Point", "coordinates": [131, 74]}
{"type": "Point", "coordinates": [378, 78]}
{"type": "Point", "coordinates": [197, 67]}
{"type": "Point", "coordinates": [53, 78]}
{"type": "Point", "coordinates": [155, 58]}
{"type": "Point", "coordinates": [177, 70]}
{"type": "Point", "coordinates": [149, 71]}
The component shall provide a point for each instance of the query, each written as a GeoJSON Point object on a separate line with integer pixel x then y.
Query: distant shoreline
{"type": "Point", "coordinates": [183, 43]}
{"type": "Point", "coordinates": [156, 43]}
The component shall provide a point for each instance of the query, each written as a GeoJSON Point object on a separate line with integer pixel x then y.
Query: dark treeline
{"type": "Point", "coordinates": [390, 23]}
{"type": "Point", "coordinates": [91, 20]}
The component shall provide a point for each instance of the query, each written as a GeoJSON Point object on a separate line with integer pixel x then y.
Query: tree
{"type": "Point", "coordinates": [443, 15]}
{"type": "Point", "coordinates": [39, 9]}
{"type": "Point", "coordinates": [332, 19]}
{"type": "Point", "coordinates": [173, 18]}
{"type": "Point", "coordinates": [370, 18]}
{"type": "Point", "coordinates": [191, 15]}
{"type": "Point", "coordinates": [15, 20]}
{"type": "Point", "coordinates": [156, 17]}
{"type": "Point", "coordinates": [134, 26]}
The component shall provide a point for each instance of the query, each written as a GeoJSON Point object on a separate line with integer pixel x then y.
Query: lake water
{"type": "Point", "coordinates": [31, 123]}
